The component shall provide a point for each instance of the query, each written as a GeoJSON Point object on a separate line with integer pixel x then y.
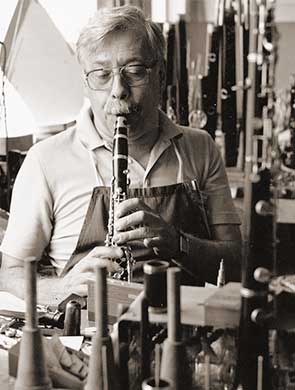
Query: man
{"type": "Point", "coordinates": [179, 206]}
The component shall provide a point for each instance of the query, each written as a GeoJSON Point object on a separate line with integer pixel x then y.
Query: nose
{"type": "Point", "coordinates": [120, 89]}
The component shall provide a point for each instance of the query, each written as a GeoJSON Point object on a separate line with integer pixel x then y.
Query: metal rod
{"type": "Point", "coordinates": [31, 292]}
{"type": "Point", "coordinates": [173, 300]}
{"type": "Point", "coordinates": [259, 373]}
{"type": "Point", "coordinates": [207, 372]}
{"type": "Point", "coordinates": [145, 339]}
{"type": "Point", "coordinates": [157, 365]}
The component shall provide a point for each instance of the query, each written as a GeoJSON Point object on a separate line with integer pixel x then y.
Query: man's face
{"type": "Point", "coordinates": [117, 50]}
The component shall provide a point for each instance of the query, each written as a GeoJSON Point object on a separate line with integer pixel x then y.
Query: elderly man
{"type": "Point", "coordinates": [178, 205]}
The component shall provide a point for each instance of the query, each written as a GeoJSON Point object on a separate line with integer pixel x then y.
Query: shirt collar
{"type": "Point", "coordinates": [92, 140]}
{"type": "Point", "coordinates": [168, 129]}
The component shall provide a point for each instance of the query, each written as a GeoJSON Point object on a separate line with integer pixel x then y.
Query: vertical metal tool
{"type": "Point", "coordinates": [175, 367]}
{"type": "Point", "coordinates": [32, 372]}
{"type": "Point", "coordinates": [102, 372]}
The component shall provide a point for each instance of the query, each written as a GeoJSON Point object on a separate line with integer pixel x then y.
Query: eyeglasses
{"type": "Point", "coordinates": [133, 75]}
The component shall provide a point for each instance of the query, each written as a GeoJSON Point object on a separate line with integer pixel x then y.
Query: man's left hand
{"type": "Point", "coordinates": [134, 220]}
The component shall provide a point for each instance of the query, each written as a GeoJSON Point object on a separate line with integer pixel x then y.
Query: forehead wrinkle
{"type": "Point", "coordinates": [120, 51]}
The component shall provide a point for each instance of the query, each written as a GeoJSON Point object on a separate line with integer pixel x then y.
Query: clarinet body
{"type": "Point", "coordinates": [253, 361]}
{"type": "Point", "coordinates": [228, 95]}
{"type": "Point", "coordinates": [119, 186]}
{"type": "Point", "coordinates": [209, 83]}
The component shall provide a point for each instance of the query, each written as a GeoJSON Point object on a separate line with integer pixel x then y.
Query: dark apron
{"type": "Point", "coordinates": [182, 205]}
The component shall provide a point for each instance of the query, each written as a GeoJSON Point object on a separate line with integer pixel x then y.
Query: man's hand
{"type": "Point", "coordinates": [76, 280]}
{"type": "Point", "coordinates": [50, 290]}
{"type": "Point", "coordinates": [134, 220]}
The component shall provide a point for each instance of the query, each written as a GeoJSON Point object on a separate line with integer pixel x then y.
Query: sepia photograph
{"type": "Point", "coordinates": [147, 194]}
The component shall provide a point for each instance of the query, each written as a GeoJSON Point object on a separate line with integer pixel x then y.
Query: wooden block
{"type": "Point", "coordinates": [222, 309]}
{"type": "Point", "coordinates": [192, 301]}
{"type": "Point", "coordinates": [285, 211]}
{"type": "Point", "coordinates": [200, 306]}
{"type": "Point", "coordinates": [118, 292]}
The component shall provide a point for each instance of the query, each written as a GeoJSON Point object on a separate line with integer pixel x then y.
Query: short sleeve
{"type": "Point", "coordinates": [30, 222]}
{"type": "Point", "coordinates": [220, 206]}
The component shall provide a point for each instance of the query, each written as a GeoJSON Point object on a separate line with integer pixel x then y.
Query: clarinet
{"type": "Point", "coordinates": [228, 95]}
{"type": "Point", "coordinates": [181, 74]}
{"type": "Point", "coordinates": [119, 185]}
{"type": "Point", "coordinates": [209, 82]}
{"type": "Point", "coordinates": [253, 360]}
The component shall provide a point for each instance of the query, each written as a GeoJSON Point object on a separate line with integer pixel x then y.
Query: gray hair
{"type": "Point", "coordinates": [108, 20]}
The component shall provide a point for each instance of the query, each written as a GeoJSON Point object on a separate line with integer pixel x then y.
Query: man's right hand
{"type": "Point", "coordinates": [53, 290]}
{"type": "Point", "coordinates": [76, 280]}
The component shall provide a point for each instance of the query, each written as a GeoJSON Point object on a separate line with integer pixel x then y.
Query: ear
{"type": "Point", "coordinates": [85, 86]}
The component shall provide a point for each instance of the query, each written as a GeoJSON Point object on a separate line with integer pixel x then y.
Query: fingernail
{"type": "Point", "coordinates": [117, 226]}
{"type": "Point", "coordinates": [116, 238]}
{"type": "Point", "coordinates": [116, 266]}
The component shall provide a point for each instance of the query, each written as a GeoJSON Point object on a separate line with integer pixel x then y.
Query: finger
{"type": "Point", "coordinates": [90, 263]}
{"type": "Point", "coordinates": [153, 242]}
{"type": "Point", "coordinates": [106, 252]}
{"type": "Point", "coordinates": [78, 283]}
{"type": "Point", "coordinates": [130, 205]}
{"type": "Point", "coordinates": [135, 234]}
{"type": "Point", "coordinates": [112, 266]}
{"type": "Point", "coordinates": [98, 253]}
{"type": "Point", "coordinates": [138, 218]}
{"type": "Point", "coordinates": [81, 290]}
{"type": "Point", "coordinates": [133, 219]}
{"type": "Point", "coordinates": [84, 278]}
{"type": "Point", "coordinates": [74, 279]}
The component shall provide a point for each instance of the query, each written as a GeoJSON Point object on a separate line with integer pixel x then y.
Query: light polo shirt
{"type": "Point", "coordinates": [54, 185]}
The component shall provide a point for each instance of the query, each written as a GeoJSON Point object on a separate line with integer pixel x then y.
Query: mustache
{"type": "Point", "coordinates": [120, 107]}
